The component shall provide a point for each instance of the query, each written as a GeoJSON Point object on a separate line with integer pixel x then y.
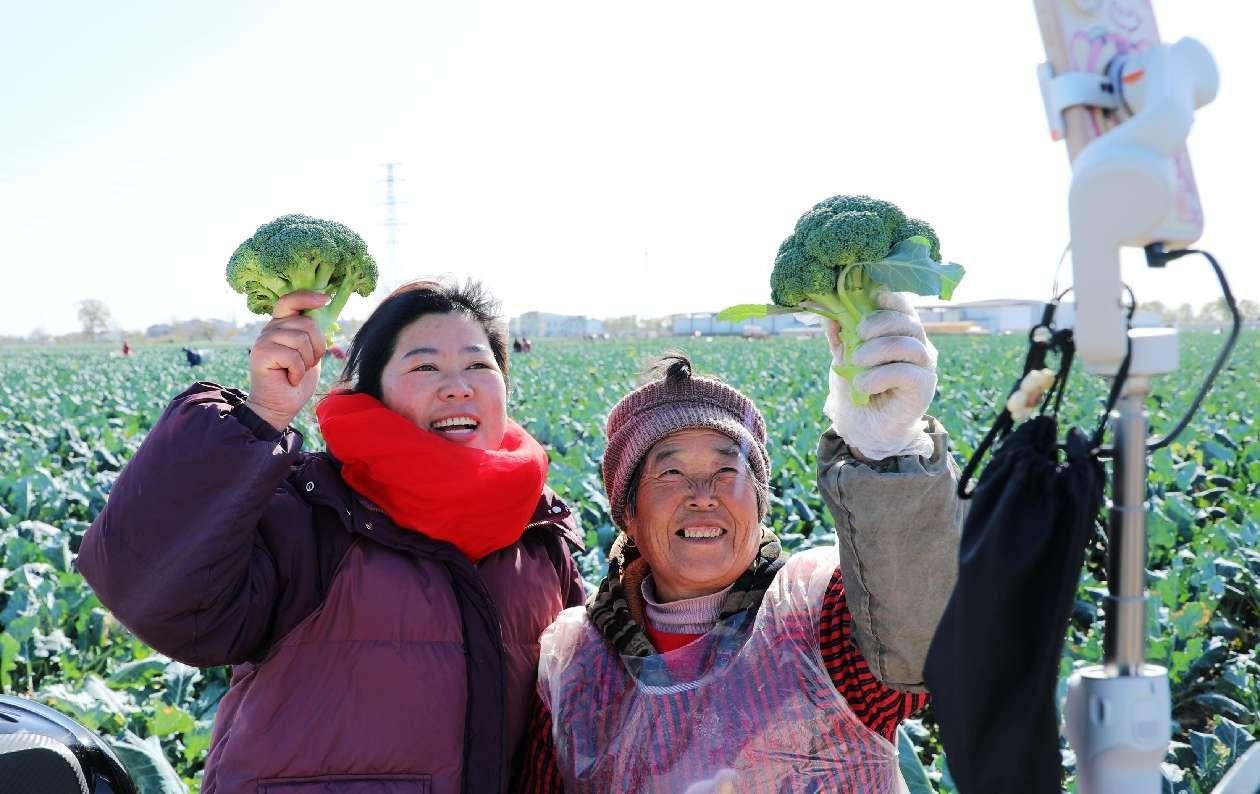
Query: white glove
{"type": "Point", "coordinates": [901, 381]}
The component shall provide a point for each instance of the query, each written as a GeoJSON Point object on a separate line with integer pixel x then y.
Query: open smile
{"type": "Point", "coordinates": [701, 533]}
{"type": "Point", "coordinates": [459, 426]}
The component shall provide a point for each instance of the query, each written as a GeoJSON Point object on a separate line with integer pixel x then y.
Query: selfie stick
{"type": "Point", "coordinates": [1123, 193]}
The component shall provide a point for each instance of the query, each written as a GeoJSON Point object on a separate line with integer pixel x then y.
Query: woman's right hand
{"type": "Point", "coordinates": [284, 362]}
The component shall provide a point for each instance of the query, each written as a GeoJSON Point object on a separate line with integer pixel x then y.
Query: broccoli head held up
{"type": "Point", "coordinates": [298, 252]}
{"type": "Point", "coordinates": [840, 254]}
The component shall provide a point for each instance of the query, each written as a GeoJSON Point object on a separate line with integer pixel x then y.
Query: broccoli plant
{"type": "Point", "coordinates": [841, 253]}
{"type": "Point", "coordinates": [297, 252]}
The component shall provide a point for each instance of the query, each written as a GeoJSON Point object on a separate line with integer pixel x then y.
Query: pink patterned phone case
{"type": "Point", "coordinates": [1084, 36]}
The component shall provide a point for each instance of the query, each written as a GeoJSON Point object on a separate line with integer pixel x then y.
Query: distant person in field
{"type": "Point", "coordinates": [708, 663]}
{"type": "Point", "coordinates": [381, 602]}
{"type": "Point", "coordinates": [193, 356]}
{"type": "Point", "coordinates": [126, 348]}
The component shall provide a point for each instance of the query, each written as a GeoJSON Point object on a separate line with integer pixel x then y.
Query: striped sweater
{"type": "Point", "coordinates": [878, 707]}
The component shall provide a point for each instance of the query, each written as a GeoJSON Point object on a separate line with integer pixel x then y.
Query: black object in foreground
{"type": "Point", "coordinates": [45, 752]}
{"type": "Point", "coordinates": [993, 665]}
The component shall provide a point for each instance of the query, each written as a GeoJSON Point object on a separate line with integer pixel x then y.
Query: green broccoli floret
{"type": "Point", "coordinates": [799, 279]}
{"type": "Point", "coordinates": [840, 254]}
{"type": "Point", "coordinates": [890, 216]}
{"type": "Point", "coordinates": [917, 228]}
{"type": "Point", "coordinates": [298, 252]}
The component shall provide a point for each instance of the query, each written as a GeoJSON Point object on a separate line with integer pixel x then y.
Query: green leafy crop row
{"type": "Point", "coordinates": [69, 419]}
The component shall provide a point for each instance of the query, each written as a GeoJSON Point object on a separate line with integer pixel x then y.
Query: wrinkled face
{"type": "Point", "coordinates": [695, 514]}
{"type": "Point", "coordinates": [443, 377]}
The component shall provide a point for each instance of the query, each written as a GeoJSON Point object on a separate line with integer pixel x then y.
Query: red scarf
{"type": "Point", "coordinates": [479, 500]}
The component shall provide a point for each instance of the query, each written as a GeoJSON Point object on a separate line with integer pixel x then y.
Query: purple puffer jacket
{"type": "Point", "coordinates": [368, 658]}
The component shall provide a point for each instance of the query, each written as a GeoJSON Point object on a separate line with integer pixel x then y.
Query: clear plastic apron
{"type": "Point", "coordinates": [755, 699]}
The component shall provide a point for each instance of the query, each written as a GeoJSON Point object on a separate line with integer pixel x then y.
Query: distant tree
{"type": "Point", "coordinates": [39, 337]}
{"type": "Point", "coordinates": [1215, 312]}
{"type": "Point", "coordinates": [1158, 309]}
{"type": "Point", "coordinates": [198, 328]}
{"type": "Point", "coordinates": [1185, 314]}
{"type": "Point", "coordinates": [159, 330]}
{"type": "Point", "coordinates": [621, 326]}
{"type": "Point", "coordinates": [1250, 310]}
{"type": "Point", "coordinates": [94, 317]}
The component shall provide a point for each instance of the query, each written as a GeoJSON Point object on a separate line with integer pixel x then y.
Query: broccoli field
{"type": "Point", "coordinates": [71, 418]}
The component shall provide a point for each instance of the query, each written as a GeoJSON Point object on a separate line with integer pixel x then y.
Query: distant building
{"type": "Point", "coordinates": [542, 324]}
{"type": "Point", "coordinates": [707, 324]}
{"type": "Point", "coordinates": [1000, 316]}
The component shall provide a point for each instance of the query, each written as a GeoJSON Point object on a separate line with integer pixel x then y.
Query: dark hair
{"type": "Point", "coordinates": [673, 367]}
{"type": "Point", "coordinates": [373, 345]}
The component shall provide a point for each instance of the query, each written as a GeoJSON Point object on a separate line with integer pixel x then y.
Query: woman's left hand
{"type": "Point", "coordinates": [900, 377]}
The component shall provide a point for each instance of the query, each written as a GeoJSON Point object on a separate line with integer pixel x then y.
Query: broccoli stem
{"type": "Point", "coordinates": [852, 313]}
{"type": "Point", "coordinates": [847, 307]}
{"type": "Point", "coordinates": [323, 274]}
{"type": "Point", "coordinates": [855, 305]}
{"type": "Point", "coordinates": [326, 316]}
{"type": "Point", "coordinates": [863, 302]}
{"type": "Point", "coordinates": [827, 305]}
{"type": "Point", "coordinates": [310, 276]}
{"type": "Point", "coordinates": [849, 336]}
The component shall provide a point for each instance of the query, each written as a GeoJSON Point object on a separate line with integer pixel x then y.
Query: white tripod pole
{"type": "Point", "coordinates": [1119, 714]}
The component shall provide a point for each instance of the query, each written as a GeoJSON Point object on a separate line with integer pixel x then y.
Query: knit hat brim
{"type": "Point", "coordinates": [650, 426]}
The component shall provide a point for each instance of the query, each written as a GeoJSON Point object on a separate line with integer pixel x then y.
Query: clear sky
{"type": "Point", "coordinates": [580, 157]}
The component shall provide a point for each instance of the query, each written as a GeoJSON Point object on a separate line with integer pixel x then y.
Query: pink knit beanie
{"type": "Point", "coordinates": [679, 401]}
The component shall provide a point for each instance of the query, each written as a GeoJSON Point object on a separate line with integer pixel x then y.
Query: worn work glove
{"type": "Point", "coordinates": [901, 380]}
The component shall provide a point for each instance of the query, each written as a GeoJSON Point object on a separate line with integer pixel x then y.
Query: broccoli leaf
{"type": "Point", "coordinates": [752, 311]}
{"type": "Point", "coordinates": [909, 267]}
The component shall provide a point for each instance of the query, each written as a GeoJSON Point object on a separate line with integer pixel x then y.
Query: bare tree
{"type": "Point", "coordinates": [1215, 312]}
{"type": "Point", "coordinates": [1158, 309]}
{"type": "Point", "coordinates": [94, 317]}
{"type": "Point", "coordinates": [197, 328]}
{"type": "Point", "coordinates": [1185, 314]}
{"type": "Point", "coordinates": [622, 326]}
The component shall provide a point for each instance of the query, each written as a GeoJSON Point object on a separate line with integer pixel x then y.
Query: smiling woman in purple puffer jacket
{"type": "Point", "coordinates": [380, 603]}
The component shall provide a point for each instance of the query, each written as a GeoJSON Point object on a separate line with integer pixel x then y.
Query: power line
{"type": "Point", "coordinates": [391, 278]}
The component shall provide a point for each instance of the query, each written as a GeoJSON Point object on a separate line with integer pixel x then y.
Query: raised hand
{"type": "Point", "coordinates": [900, 377]}
{"type": "Point", "coordinates": [284, 361]}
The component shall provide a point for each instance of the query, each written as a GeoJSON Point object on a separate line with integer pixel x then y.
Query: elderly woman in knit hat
{"type": "Point", "coordinates": [708, 660]}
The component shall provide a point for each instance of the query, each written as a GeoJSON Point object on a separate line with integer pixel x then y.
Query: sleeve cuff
{"type": "Point", "coordinates": [935, 432]}
{"type": "Point", "coordinates": [260, 427]}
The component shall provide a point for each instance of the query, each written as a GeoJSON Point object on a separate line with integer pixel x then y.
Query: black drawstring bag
{"type": "Point", "coordinates": [993, 664]}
